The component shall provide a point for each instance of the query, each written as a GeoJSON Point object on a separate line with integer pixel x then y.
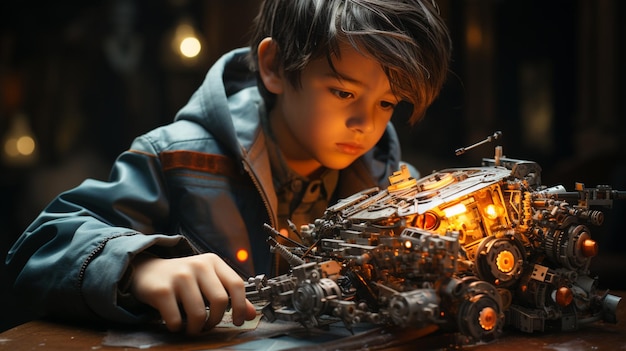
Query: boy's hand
{"type": "Point", "coordinates": [170, 285]}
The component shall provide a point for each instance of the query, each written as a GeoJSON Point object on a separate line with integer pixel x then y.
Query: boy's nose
{"type": "Point", "coordinates": [362, 120]}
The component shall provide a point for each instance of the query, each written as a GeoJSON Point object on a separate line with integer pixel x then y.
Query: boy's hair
{"type": "Point", "coordinates": [407, 37]}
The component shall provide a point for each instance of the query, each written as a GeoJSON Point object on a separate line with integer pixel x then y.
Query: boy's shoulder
{"type": "Point", "coordinates": [178, 135]}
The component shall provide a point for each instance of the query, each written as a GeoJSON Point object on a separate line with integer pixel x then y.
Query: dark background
{"type": "Point", "coordinates": [549, 74]}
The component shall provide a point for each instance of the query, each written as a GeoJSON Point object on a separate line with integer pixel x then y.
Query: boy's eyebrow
{"type": "Point", "coordinates": [339, 76]}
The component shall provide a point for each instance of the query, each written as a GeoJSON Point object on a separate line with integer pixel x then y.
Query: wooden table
{"type": "Point", "coordinates": [46, 335]}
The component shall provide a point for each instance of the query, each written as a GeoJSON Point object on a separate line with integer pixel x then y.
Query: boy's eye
{"type": "Point", "coordinates": [341, 94]}
{"type": "Point", "coordinates": [387, 105]}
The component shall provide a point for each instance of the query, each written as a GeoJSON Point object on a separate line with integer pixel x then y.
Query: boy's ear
{"type": "Point", "coordinates": [268, 67]}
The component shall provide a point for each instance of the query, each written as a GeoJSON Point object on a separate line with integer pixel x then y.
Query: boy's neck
{"type": "Point", "coordinates": [306, 167]}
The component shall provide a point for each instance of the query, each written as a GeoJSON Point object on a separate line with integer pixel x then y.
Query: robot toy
{"type": "Point", "coordinates": [471, 250]}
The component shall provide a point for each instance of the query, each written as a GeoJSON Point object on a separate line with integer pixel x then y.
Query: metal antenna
{"type": "Point", "coordinates": [489, 139]}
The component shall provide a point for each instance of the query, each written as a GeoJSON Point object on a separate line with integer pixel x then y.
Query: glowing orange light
{"type": "Point", "coordinates": [408, 244]}
{"type": "Point", "coordinates": [491, 211]}
{"type": "Point", "coordinates": [589, 248]}
{"type": "Point", "coordinates": [564, 296]}
{"type": "Point", "coordinates": [488, 318]}
{"type": "Point", "coordinates": [454, 210]}
{"type": "Point", "coordinates": [428, 221]}
{"type": "Point", "coordinates": [242, 255]}
{"type": "Point", "coordinates": [505, 261]}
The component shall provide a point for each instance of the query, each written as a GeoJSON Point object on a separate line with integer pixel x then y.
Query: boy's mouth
{"type": "Point", "coordinates": [350, 148]}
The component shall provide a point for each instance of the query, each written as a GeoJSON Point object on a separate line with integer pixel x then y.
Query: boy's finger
{"type": "Point", "coordinates": [250, 311]}
{"type": "Point", "coordinates": [217, 297]}
{"type": "Point", "coordinates": [236, 289]}
{"type": "Point", "coordinates": [170, 313]}
{"type": "Point", "coordinates": [195, 309]}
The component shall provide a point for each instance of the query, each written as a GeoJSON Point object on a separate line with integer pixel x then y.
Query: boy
{"type": "Point", "coordinates": [180, 221]}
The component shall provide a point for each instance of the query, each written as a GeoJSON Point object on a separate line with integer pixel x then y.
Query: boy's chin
{"type": "Point", "coordinates": [339, 163]}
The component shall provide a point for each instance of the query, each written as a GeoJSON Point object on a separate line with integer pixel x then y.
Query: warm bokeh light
{"type": "Point", "coordinates": [18, 143]}
{"type": "Point", "coordinates": [242, 255]}
{"type": "Point", "coordinates": [190, 47]}
{"type": "Point", "coordinates": [186, 42]}
{"type": "Point", "coordinates": [474, 36]}
{"type": "Point", "coordinates": [22, 146]}
{"type": "Point", "coordinates": [25, 145]}
{"type": "Point", "coordinates": [10, 147]}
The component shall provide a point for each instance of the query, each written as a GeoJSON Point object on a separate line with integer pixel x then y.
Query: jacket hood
{"type": "Point", "coordinates": [222, 103]}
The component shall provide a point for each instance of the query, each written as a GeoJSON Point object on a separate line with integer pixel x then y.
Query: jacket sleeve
{"type": "Point", "coordinates": [69, 261]}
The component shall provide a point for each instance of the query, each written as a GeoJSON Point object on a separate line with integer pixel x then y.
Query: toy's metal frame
{"type": "Point", "coordinates": [471, 250]}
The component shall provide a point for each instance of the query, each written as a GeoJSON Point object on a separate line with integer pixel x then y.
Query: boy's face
{"type": "Point", "coordinates": [334, 118]}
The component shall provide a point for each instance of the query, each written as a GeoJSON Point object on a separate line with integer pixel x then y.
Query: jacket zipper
{"type": "Point", "coordinates": [260, 189]}
{"type": "Point", "coordinates": [268, 208]}
{"type": "Point", "coordinates": [93, 254]}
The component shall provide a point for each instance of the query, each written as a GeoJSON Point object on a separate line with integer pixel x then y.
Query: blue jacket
{"type": "Point", "coordinates": [200, 184]}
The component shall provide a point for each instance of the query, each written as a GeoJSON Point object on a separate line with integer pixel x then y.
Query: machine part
{"type": "Point", "coordinates": [571, 247]}
{"type": "Point", "coordinates": [500, 260]}
{"type": "Point", "coordinates": [314, 298]}
{"type": "Point", "coordinates": [414, 308]}
{"type": "Point", "coordinates": [472, 250]}
{"type": "Point", "coordinates": [476, 308]}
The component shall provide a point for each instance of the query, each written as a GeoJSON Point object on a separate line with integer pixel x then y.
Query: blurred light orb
{"type": "Point", "coordinates": [22, 146]}
{"type": "Point", "coordinates": [242, 255]}
{"type": "Point", "coordinates": [25, 145]}
{"type": "Point", "coordinates": [190, 47]}
{"type": "Point", "coordinates": [10, 147]}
